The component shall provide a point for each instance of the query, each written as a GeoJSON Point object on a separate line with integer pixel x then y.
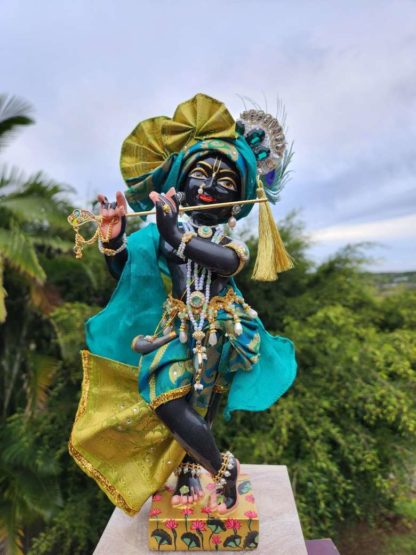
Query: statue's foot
{"type": "Point", "coordinates": [188, 489]}
{"type": "Point", "coordinates": [225, 498]}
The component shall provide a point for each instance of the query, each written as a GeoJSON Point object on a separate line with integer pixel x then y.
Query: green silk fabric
{"type": "Point", "coordinates": [136, 307]}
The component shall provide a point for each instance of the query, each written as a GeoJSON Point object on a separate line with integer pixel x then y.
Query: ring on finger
{"type": "Point", "coordinates": [166, 208]}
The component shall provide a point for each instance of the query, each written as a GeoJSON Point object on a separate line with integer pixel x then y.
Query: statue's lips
{"type": "Point", "coordinates": [206, 198]}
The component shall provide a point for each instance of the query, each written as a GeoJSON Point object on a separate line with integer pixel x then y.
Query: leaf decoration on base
{"type": "Point", "coordinates": [162, 537]}
{"type": "Point", "coordinates": [232, 541]}
{"type": "Point", "coordinates": [251, 541]}
{"type": "Point", "coordinates": [191, 540]}
{"type": "Point", "coordinates": [215, 525]}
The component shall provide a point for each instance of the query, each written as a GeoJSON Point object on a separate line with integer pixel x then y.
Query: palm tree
{"type": "Point", "coordinates": [32, 226]}
{"type": "Point", "coordinates": [32, 219]}
{"type": "Point", "coordinates": [15, 248]}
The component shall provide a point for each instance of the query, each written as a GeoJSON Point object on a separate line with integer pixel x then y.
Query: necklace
{"type": "Point", "coordinates": [197, 304]}
{"type": "Point", "coordinates": [205, 231]}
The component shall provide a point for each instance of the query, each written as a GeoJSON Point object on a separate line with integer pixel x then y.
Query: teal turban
{"type": "Point", "coordinates": [160, 151]}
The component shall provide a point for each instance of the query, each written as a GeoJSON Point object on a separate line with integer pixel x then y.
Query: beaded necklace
{"type": "Point", "coordinates": [197, 303]}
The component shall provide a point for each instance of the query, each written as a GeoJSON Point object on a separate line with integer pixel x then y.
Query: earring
{"type": "Point", "coordinates": [180, 196]}
{"type": "Point", "coordinates": [232, 222]}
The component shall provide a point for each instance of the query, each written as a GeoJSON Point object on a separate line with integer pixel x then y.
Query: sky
{"type": "Point", "coordinates": [344, 70]}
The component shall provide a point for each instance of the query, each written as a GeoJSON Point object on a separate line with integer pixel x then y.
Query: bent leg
{"type": "Point", "coordinates": [192, 432]}
{"type": "Point", "coordinates": [195, 436]}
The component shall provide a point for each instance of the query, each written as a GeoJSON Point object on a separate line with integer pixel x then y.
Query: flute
{"type": "Point", "coordinates": [79, 216]}
{"type": "Point", "coordinates": [202, 207]}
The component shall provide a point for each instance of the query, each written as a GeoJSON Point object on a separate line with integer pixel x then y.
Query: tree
{"type": "Point", "coordinates": [35, 240]}
{"type": "Point", "coordinates": [347, 427]}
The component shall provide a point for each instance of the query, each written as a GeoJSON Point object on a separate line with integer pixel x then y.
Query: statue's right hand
{"type": "Point", "coordinates": [113, 216]}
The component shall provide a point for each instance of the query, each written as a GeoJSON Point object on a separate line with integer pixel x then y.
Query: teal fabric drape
{"type": "Point", "coordinates": [136, 308]}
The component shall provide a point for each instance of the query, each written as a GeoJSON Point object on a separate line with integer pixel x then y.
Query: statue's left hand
{"type": "Point", "coordinates": [113, 213]}
{"type": "Point", "coordinates": [167, 211]}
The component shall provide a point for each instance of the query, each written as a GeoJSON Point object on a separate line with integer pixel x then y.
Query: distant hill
{"type": "Point", "coordinates": [390, 280]}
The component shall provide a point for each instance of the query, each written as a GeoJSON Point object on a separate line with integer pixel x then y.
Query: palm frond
{"type": "Point", "coordinates": [68, 321]}
{"type": "Point", "coordinates": [3, 294]}
{"type": "Point", "coordinates": [39, 184]}
{"type": "Point", "coordinates": [35, 209]}
{"type": "Point", "coordinates": [14, 112]}
{"type": "Point", "coordinates": [44, 297]}
{"type": "Point", "coordinates": [19, 253]}
{"type": "Point", "coordinates": [56, 243]}
{"type": "Point", "coordinates": [11, 177]}
{"type": "Point", "coordinates": [38, 380]}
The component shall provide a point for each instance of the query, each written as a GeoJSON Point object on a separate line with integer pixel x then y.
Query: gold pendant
{"type": "Point", "coordinates": [196, 300]}
{"type": "Point", "coordinates": [205, 231]}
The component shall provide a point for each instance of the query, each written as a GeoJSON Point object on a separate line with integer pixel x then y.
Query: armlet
{"type": "Point", "coordinates": [242, 252]}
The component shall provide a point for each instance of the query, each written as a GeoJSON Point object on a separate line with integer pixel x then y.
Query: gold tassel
{"type": "Point", "coordinates": [272, 257]}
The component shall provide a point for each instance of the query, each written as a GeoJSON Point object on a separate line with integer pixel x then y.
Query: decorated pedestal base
{"type": "Point", "coordinates": [197, 528]}
{"type": "Point", "coordinates": [281, 533]}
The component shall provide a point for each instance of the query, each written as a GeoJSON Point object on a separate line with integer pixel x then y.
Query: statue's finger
{"type": "Point", "coordinates": [154, 197]}
{"type": "Point", "coordinates": [121, 200]}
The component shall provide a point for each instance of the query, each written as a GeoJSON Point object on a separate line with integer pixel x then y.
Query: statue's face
{"type": "Point", "coordinates": [211, 180]}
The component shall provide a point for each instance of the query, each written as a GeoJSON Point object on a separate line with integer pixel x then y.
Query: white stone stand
{"type": "Point", "coordinates": [280, 530]}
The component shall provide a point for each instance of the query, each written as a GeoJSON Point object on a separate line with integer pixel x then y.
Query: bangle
{"type": "Point", "coordinates": [112, 252]}
{"type": "Point", "coordinates": [186, 237]}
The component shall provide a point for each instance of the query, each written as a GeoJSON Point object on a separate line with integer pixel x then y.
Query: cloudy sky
{"type": "Point", "coordinates": [345, 71]}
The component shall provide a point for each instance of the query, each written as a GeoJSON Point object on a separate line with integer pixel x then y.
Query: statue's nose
{"type": "Point", "coordinates": [210, 183]}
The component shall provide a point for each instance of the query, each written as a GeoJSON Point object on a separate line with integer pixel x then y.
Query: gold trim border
{"type": "Point", "coordinates": [101, 480]}
{"type": "Point", "coordinates": [170, 395]}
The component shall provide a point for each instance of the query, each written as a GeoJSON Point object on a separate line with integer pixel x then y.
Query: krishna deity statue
{"type": "Point", "coordinates": [177, 333]}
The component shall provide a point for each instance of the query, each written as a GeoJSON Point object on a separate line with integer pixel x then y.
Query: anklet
{"type": "Point", "coordinates": [193, 469]}
{"type": "Point", "coordinates": [228, 463]}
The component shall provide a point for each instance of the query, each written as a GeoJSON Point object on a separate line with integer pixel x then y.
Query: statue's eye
{"type": "Point", "coordinates": [228, 183]}
{"type": "Point", "coordinates": [198, 174]}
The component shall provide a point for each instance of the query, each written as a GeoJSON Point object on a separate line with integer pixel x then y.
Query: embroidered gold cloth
{"type": "Point", "coordinates": [117, 439]}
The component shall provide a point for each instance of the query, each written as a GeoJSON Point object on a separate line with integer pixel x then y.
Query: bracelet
{"type": "Point", "coordinates": [112, 252]}
{"type": "Point", "coordinates": [186, 237]}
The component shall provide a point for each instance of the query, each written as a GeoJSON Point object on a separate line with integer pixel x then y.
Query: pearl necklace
{"type": "Point", "coordinates": [196, 301]}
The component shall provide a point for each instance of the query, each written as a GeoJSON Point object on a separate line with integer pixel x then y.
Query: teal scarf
{"type": "Point", "coordinates": [136, 308]}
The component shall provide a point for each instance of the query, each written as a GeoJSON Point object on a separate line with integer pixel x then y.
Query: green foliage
{"type": "Point", "coordinates": [347, 428]}
{"type": "Point", "coordinates": [14, 112]}
{"type": "Point", "coordinates": [42, 492]}
{"type": "Point", "coordinates": [29, 488]}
